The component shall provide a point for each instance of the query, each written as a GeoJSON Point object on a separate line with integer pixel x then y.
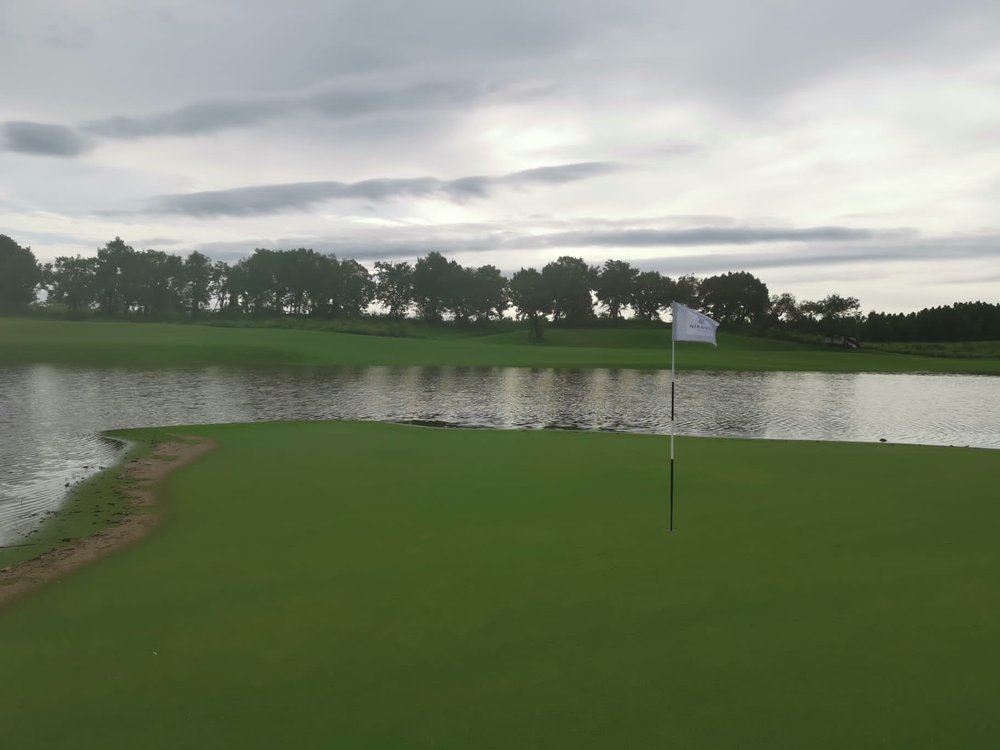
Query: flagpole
{"type": "Point", "coordinates": [687, 325]}
{"type": "Point", "coordinates": [672, 375]}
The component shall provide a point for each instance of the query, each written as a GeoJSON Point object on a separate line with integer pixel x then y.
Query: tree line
{"type": "Point", "coordinates": [121, 282]}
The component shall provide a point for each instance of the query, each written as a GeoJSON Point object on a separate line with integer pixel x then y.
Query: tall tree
{"type": "Point", "coordinates": [155, 284]}
{"type": "Point", "coordinates": [298, 274]}
{"type": "Point", "coordinates": [218, 285]}
{"type": "Point", "coordinates": [394, 287]}
{"type": "Point", "coordinates": [735, 297]}
{"type": "Point", "coordinates": [571, 281]}
{"type": "Point", "coordinates": [532, 297]}
{"type": "Point", "coordinates": [197, 283]}
{"type": "Point", "coordinates": [356, 288]}
{"type": "Point", "coordinates": [614, 285]}
{"type": "Point", "coordinates": [687, 290]}
{"type": "Point", "coordinates": [458, 292]}
{"type": "Point", "coordinates": [260, 290]}
{"type": "Point", "coordinates": [785, 308]}
{"type": "Point", "coordinates": [430, 286]}
{"type": "Point", "coordinates": [71, 282]}
{"type": "Point", "coordinates": [836, 315]}
{"type": "Point", "coordinates": [489, 294]}
{"type": "Point", "coordinates": [20, 274]}
{"type": "Point", "coordinates": [115, 278]}
{"type": "Point", "coordinates": [651, 293]}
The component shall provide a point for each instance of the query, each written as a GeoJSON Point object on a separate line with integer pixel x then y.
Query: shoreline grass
{"type": "Point", "coordinates": [163, 345]}
{"type": "Point", "coordinates": [94, 504]}
{"type": "Point", "coordinates": [373, 585]}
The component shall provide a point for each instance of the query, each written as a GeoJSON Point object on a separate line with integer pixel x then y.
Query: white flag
{"type": "Point", "coordinates": [691, 325]}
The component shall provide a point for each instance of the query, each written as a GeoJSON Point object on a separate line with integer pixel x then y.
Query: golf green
{"type": "Point", "coordinates": [364, 585]}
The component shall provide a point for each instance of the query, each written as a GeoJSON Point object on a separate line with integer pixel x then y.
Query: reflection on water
{"type": "Point", "coordinates": [49, 417]}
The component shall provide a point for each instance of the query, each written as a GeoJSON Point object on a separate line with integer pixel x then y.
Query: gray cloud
{"type": "Point", "coordinates": [257, 200]}
{"type": "Point", "coordinates": [823, 256]}
{"type": "Point", "coordinates": [814, 246]}
{"type": "Point", "coordinates": [212, 116]}
{"type": "Point", "coordinates": [42, 139]}
{"type": "Point", "coordinates": [700, 236]}
{"type": "Point", "coordinates": [223, 114]}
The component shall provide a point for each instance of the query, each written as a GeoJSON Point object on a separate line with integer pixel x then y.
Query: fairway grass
{"type": "Point", "coordinates": [363, 585]}
{"type": "Point", "coordinates": [159, 345]}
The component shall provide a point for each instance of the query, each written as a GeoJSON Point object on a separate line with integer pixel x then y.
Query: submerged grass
{"type": "Point", "coordinates": [370, 585]}
{"type": "Point", "coordinates": [95, 344]}
{"type": "Point", "coordinates": [96, 503]}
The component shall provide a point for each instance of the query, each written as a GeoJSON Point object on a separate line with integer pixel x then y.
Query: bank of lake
{"type": "Point", "coordinates": [151, 345]}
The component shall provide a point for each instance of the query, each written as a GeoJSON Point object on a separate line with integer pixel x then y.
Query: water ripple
{"type": "Point", "coordinates": [49, 416]}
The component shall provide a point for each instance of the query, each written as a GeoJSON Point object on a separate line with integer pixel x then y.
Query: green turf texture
{"type": "Point", "coordinates": [384, 586]}
{"type": "Point", "coordinates": [97, 344]}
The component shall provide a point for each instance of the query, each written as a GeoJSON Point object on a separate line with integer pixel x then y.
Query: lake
{"type": "Point", "coordinates": [50, 417]}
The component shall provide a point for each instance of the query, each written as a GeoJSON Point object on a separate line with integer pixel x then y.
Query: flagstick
{"type": "Point", "coordinates": [672, 373]}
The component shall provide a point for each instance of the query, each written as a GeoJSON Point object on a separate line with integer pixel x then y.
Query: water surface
{"type": "Point", "coordinates": [50, 417]}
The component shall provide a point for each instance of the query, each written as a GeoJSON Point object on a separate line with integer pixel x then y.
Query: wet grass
{"type": "Point", "coordinates": [154, 345]}
{"type": "Point", "coordinates": [370, 585]}
{"type": "Point", "coordinates": [96, 503]}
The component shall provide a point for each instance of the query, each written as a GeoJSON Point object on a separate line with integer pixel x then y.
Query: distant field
{"type": "Point", "coordinates": [168, 345]}
{"type": "Point", "coordinates": [966, 349]}
{"type": "Point", "coordinates": [368, 585]}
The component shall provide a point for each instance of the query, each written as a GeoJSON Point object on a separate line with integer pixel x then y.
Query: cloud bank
{"type": "Point", "coordinates": [41, 139]}
{"type": "Point", "coordinates": [217, 115]}
{"type": "Point", "coordinates": [257, 200]}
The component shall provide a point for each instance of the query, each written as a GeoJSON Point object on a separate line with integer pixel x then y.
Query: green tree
{"type": "Point", "coordinates": [356, 288]}
{"type": "Point", "coordinates": [651, 293]}
{"type": "Point", "coordinates": [458, 292]}
{"type": "Point", "coordinates": [394, 287]}
{"type": "Point", "coordinates": [197, 283]}
{"type": "Point", "coordinates": [489, 294]}
{"type": "Point", "coordinates": [532, 298]}
{"type": "Point", "coordinates": [735, 297]}
{"type": "Point", "coordinates": [837, 315]}
{"type": "Point", "coordinates": [155, 284]}
{"type": "Point", "coordinates": [430, 286]}
{"type": "Point", "coordinates": [115, 278]}
{"type": "Point", "coordinates": [571, 281]}
{"type": "Point", "coordinates": [785, 309]}
{"type": "Point", "coordinates": [20, 275]}
{"type": "Point", "coordinates": [686, 290]}
{"type": "Point", "coordinates": [614, 286]}
{"type": "Point", "coordinates": [71, 282]}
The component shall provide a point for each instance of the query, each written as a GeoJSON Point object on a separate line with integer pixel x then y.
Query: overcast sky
{"type": "Point", "coordinates": [849, 147]}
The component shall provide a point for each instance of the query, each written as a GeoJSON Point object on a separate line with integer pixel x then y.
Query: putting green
{"type": "Point", "coordinates": [368, 585]}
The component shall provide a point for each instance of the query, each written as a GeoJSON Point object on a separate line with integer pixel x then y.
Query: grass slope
{"type": "Point", "coordinates": [369, 585]}
{"type": "Point", "coordinates": [24, 341]}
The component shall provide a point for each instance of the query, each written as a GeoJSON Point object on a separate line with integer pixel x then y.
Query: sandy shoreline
{"type": "Point", "coordinates": [142, 480]}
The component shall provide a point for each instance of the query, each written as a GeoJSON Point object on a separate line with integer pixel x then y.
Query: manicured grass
{"type": "Point", "coordinates": [967, 349]}
{"type": "Point", "coordinates": [93, 344]}
{"type": "Point", "coordinates": [369, 585]}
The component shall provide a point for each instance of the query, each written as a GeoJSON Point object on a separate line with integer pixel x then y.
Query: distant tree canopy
{"type": "Point", "coordinates": [532, 298]}
{"type": "Point", "coordinates": [121, 281]}
{"type": "Point", "coordinates": [570, 281]}
{"type": "Point", "coordinates": [963, 321]}
{"type": "Point", "coordinates": [736, 297]}
{"type": "Point", "coordinates": [20, 275]}
{"type": "Point", "coordinates": [394, 287]}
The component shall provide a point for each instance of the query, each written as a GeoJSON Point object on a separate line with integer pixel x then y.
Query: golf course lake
{"type": "Point", "coordinates": [51, 417]}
